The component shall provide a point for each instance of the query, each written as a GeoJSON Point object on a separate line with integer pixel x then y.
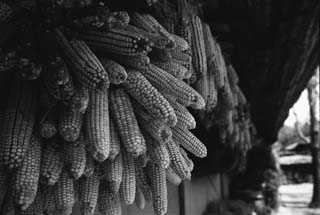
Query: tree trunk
{"type": "Point", "coordinates": [315, 144]}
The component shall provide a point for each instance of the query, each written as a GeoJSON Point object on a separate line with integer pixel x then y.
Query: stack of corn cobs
{"type": "Point", "coordinates": [101, 118]}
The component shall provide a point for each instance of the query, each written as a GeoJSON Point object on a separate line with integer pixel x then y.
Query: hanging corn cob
{"type": "Point", "coordinates": [128, 185]}
{"type": "Point", "coordinates": [25, 181]}
{"type": "Point", "coordinates": [74, 158]}
{"type": "Point", "coordinates": [85, 65]}
{"type": "Point", "coordinates": [117, 74]}
{"type": "Point", "coordinates": [114, 141]}
{"type": "Point", "coordinates": [113, 173]}
{"type": "Point", "coordinates": [141, 89]}
{"type": "Point", "coordinates": [70, 123]}
{"type": "Point", "coordinates": [175, 87]}
{"type": "Point", "coordinates": [143, 181]}
{"type": "Point", "coordinates": [175, 69]}
{"type": "Point", "coordinates": [47, 195]}
{"type": "Point", "coordinates": [80, 99]}
{"type": "Point", "coordinates": [19, 118]}
{"type": "Point", "coordinates": [159, 188]}
{"type": "Point", "coordinates": [136, 62]}
{"type": "Point", "coordinates": [64, 194]}
{"type": "Point", "coordinates": [177, 162]}
{"type": "Point", "coordinates": [126, 122]}
{"type": "Point", "coordinates": [51, 163]}
{"type": "Point", "coordinates": [88, 194]}
{"type": "Point", "coordinates": [108, 203]}
{"type": "Point", "coordinates": [199, 58]}
{"type": "Point", "coordinates": [172, 177]}
{"type": "Point", "coordinates": [117, 41]}
{"type": "Point", "coordinates": [97, 125]}
{"type": "Point", "coordinates": [164, 40]}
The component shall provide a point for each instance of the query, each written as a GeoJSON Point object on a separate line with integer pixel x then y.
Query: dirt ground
{"type": "Point", "coordinates": [295, 199]}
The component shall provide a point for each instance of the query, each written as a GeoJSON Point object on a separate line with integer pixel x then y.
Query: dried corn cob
{"type": "Point", "coordinates": [117, 74]}
{"type": "Point", "coordinates": [88, 194]}
{"type": "Point", "coordinates": [128, 185]}
{"type": "Point", "coordinates": [136, 62]}
{"type": "Point", "coordinates": [173, 177]}
{"type": "Point", "coordinates": [175, 69]}
{"type": "Point", "coordinates": [141, 89]}
{"type": "Point", "coordinates": [158, 130]}
{"type": "Point", "coordinates": [184, 117]}
{"type": "Point", "coordinates": [158, 41]}
{"type": "Point", "coordinates": [97, 125]}
{"type": "Point", "coordinates": [164, 39]}
{"type": "Point", "coordinates": [143, 181]}
{"type": "Point", "coordinates": [117, 41]}
{"type": "Point", "coordinates": [49, 124]}
{"type": "Point", "coordinates": [114, 141]}
{"type": "Point", "coordinates": [25, 182]}
{"type": "Point", "coordinates": [173, 86]}
{"type": "Point", "coordinates": [19, 117]}
{"type": "Point", "coordinates": [177, 162]}
{"type": "Point", "coordinates": [219, 67]}
{"type": "Point", "coordinates": [199, 58]}
{"type": "Point", "coordinates": [159, 188]}
{"type": "Point", "coordinates": [187, 159]}
{"type": "Point", "coordinates": [75, 158]}
{"type": "Point", "coordinates": [189, 142]}
{"type": "Point", "coordinates": [116, 19]}
{"type": "Point", "coordinates": [158, 152]}
{"type": "Point", "coordinates": [47, 195]}
{"type": "Point", "coordinates": [108, 203]}
{"type": "Point", "coordinates": [51, 163]}
{"type": "Point", "coordinates": [80, 99]}
{"type": "Point", "coordinates": [183, 58]}
{"type": "Point", "coordinates": [207, 89]}
{"type": "Point", "coordinates": [64, 194]}
{"type": "Point", "coordinates": [113, 170]}
{"type": "Point", "coordinates": [90, 165]}
{"type": "Point", "coordinates": [70, 123]}
{"type": "Point", "coordinates": [58, 80]}
{"type": "Point", "coordinates": [86, 67]}
{"type": "Point", "coordinates": [35, 208]}
{"type": "Point", "coordinates": [182, 44]}
{"type": "Point", "coordinates": [126, 123]}
{"type": "Point", "coordinates": [209, 44]}
{"type": "Point", "coordinates": [139, 200]}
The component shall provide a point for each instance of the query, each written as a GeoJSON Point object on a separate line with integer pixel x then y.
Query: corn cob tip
{"type": "Point", "coordinates": [100, 157]}
{"type": "Point", "coordinates": [197, 102]}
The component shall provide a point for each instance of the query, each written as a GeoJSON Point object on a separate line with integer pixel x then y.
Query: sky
{"type": "Point", "coordinates": [301, 107]}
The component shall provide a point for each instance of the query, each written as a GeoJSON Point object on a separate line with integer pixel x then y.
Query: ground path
{"type": "Point", "coordinates": [295, 199]}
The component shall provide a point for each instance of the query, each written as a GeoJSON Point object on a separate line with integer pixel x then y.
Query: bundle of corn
{"type": "Point", "coordinates": [113, 124]}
